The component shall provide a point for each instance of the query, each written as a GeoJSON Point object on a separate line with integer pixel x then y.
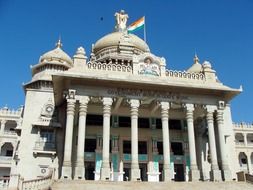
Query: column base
{"type": "Point", "coordinates": [105, 174]}
{"type": "Point", "coordinates": [226, 175]}
{"type": "Point", "coordinates": [121, 176]}
{"type": "Point", "coordinates": [153, 176]}
{"type": "Point", "coordinates": [135, 175]}
{"type": "Point", "coordinates": [79, 172]}
{"type": "Point", "coordinates": [96, 175]}
{"type": "Point", "coordinates": [194, 175]}
{"type": "Point", "coordinates": [66, 172]}
{"type": "Point", "coordinates": [167, 174]}
{"type": "Point", "coordinates": [215, 175]}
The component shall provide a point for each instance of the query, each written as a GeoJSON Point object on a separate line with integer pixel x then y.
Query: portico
{"type": "Point", "coordinates": [112, 103]}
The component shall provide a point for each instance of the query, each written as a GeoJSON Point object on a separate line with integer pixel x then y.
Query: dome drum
{"type": "Point", "coordinates": [119, 43]}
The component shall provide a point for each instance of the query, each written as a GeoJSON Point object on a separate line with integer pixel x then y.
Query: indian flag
{"type": "Point", "coordinates": [136, 25]}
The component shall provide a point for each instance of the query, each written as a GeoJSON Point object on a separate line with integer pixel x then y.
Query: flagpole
{"type": "Point", "coordinates": [145, 37]}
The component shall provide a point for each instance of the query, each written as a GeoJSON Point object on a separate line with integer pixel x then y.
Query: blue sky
{"type": "Point", "coordinates": [220, 31]}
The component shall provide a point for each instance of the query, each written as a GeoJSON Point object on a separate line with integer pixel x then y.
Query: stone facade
{"type": "Point", "coordinates": [244, 146]}
{"type": "Point", "coordinates": [122, 115]}
{"type": "Point", "coordinates": [11, 121]}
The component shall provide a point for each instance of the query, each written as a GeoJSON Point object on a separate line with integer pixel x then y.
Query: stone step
{"type": "Point", "coordinates": [106, 185]}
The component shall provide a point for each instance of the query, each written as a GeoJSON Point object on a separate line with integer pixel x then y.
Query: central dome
{"type": "Point", "coordinates": [119, 38]}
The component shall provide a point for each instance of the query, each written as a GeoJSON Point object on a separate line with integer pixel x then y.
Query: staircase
{"type": "Point", "coordinates": [108, 185]}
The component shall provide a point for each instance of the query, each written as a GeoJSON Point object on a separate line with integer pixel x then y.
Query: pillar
{"type": "Point", "coordinates": [194, 174]}
{"type": "Point", "coordinates": [215, 173]}
{"type": "Point", "coordinates": [135, 170]}
{"type": "Point", "coordinates": [67, 168]}
{"type": "Point", "coordinates": [3, 122]}
{"type": "Point", "coordinates": [226, 173]}
{"type": "Point", "coordinates": [80, 168]}
{"type": "Point", "coordinates": [248, 154]}
{"type": "Point", "coordinates": [105, 169]}
{"type": "Point", "coordinates": [245, 139]}
{"type": "Point", "coordinates": [166, 140]}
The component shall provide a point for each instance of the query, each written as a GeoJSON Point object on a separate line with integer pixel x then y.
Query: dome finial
{"type": "Point", "coordinates": [196, 59]}
{"type": "Point", "coordinates": [59, 44]}
{"type": "Point", "coordinates": [121, 20]}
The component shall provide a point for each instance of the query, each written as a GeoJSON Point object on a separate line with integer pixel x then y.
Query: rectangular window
{"type": "Point", "coordinates": [158, 124]}
{"type": "Point", "coordinates": [90, 145]}
{"type": "Point", "coordinates": [94, 120]}
{"type": "Point", "coordinates": [175, 124]}
{"type": "Point", "coordinates": [177, 148]}
{"type": "Point", "coordinates": [46, 135]}
{"type": "Point", "coordinates": [124, 121]}
{"type": "Point", "coordinates": [142, 147]}
{"type": "Point", "coordinates": [127, 147]}
{"type": "Point", "coordinates": [143, 122]}
{"type": "Point", "coordinates": [160, 147]}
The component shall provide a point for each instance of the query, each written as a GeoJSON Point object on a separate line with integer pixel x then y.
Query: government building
{"type": "Point", "coordinates": [121, 114]}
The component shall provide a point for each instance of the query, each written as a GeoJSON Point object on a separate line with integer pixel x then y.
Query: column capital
{"type": "Point", "coordinates": [83, 99]}
{"type": "Point", "coordinates": [164, 105]}
{"type": "Point", "coordinates": [107, 101]}
{"type": "Point", "coordinates": [189, 107]}
{"type": "Point", "coordinates": [134, 103]}
{"type": "Point", "coordinates": [210, 108]}
{"type": "Point", "coordinates": [83, 102]}
{"type": "Point", "coordinates": [71, 101]}
{"type": "Point", "coordinates": [70, 94]}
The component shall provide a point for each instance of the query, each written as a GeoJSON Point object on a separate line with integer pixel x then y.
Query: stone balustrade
{"type": "Point", "coordinates": [7, 112]}
{"type": "Point", "coordinates": [176, 75]}
{"type": "Point", "coordinates": [41, 145]}
{"type": "Point", "coordinates": [13, 133]}
{"type": "Point", "coordinates": [4, 183]}
{"type": "Point", "coordinates": [109, 67]}
{"type": "Point", "coordinates": [36, 184]}
{"type": "Point", "coordinates": [243, 126]}
{"type": "Point", "coordinates": [5, 158]}
{"type": "Point", "coordinates": [185, 75]}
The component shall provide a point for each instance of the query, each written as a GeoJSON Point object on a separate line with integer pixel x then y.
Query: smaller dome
{"type": "Point", "coordinates": [196, 67]}
{"type": "Point", "coordinates": [57, 54]}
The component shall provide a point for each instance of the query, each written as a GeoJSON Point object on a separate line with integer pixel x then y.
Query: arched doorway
{"type": "Point", "coordinates": [242, 158]}
{"type": "Point", "coordinates": [7, 150]}
{"type": "Point", "coordinates": [239, 139]}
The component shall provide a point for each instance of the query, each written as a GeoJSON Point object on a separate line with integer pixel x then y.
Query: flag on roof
{"type": "Point", "coordinates": [136, 25]}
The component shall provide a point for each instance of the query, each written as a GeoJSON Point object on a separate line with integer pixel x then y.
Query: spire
{"type": "Point", "coordinates": [59, 44]}
{"type": "Point", "coordinates": [196, 59]}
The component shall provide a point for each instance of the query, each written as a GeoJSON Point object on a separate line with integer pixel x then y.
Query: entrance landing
{"type": "Point", "coordinates": [107, 185]}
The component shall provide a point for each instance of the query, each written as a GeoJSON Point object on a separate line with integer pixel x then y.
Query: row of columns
{"type": "Point", "coordinates": [194, 174]}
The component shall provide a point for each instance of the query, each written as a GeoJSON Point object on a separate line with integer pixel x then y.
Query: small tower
{"type": "Point", "coordinates": [80, 59]}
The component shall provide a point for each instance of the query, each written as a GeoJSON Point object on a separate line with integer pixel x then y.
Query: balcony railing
{"type": "Point", "coordinates": [4, 182]}
{"type": "Point", "coordinates": [241, 144]}
{"type": "Point", "coordinates": [5, 159]}
{"type": "Point", "coordinates": [243, 125]}
{"type": "Point", "coordinates": [10, 133]}
{"type": "Point", "coordinates": [44, 146]}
